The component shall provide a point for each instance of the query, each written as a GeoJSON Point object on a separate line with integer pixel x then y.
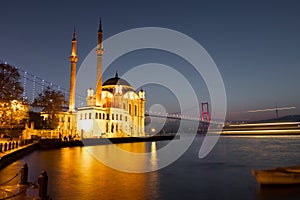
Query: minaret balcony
{"type": "Point", "coordinates": [73, 58]}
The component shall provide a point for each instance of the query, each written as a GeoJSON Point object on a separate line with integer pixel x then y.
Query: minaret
{"type": "Point", "coordinates": [73, 60]}
{"type": "Point", "coordinates": [99, 52]}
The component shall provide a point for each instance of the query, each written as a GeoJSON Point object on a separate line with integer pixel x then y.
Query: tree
{"type": "Point", "coordinates": [12, 110]}
{"type": "Point", "coordinates": [51, 102]}
{"type": "Point", "coordinates": [13, 113]}
{"type": "Point", "coordinates": [10, 84]}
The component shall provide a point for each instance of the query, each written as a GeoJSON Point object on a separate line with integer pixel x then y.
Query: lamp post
{"type": "Point", "coordinates": [11, 126]}
{"type": "Point", "coordinates": [13, 109]}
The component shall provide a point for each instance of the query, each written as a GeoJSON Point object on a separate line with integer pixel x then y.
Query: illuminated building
{"type": "Point", "coordinates": [114, 110]}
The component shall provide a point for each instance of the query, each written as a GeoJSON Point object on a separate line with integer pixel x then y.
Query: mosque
{"type": "Point", "coordinates": [114, 109]}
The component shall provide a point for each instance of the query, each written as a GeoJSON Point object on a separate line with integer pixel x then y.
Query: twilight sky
{"type": "Point", "coordinates": [255, 44]}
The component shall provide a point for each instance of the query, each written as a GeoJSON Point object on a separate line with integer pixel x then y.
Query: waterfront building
{"type": "Point", "coordinates": [66, 124]}
{"type": "Point", "coordinates": [114, 109]}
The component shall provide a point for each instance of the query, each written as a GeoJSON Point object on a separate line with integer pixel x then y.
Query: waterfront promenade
{"type": "Point", "coordinates": [11, 151]}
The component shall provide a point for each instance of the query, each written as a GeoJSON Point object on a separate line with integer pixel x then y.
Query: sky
{"type": "Point", "coordinates": [255, 45]}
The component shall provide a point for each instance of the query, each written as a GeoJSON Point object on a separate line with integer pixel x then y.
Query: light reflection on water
{"type": "Point", "coordinates": [136, 161]}
{"type": "Point", "coordinates": [224, 174]}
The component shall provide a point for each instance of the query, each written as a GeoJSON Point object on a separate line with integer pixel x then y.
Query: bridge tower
{"type": "Point", "coordinates": [205, 117]}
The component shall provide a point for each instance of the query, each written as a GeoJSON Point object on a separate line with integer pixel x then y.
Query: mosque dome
{"type": "Point", "coordinates": [116, 81]}
{"type": "Point", "coordinates": [110, 84]}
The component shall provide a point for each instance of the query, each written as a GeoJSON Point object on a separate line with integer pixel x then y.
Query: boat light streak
{"type": "Point", "coordinates": [283, 131]}
{"type": "Point", "coordinates": [265, 124]}
{"type": "Point", "coordinates": [271, 109]}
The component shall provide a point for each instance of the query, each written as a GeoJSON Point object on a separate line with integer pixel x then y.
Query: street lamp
{"type": "Point", "coordinates": [14, 107]}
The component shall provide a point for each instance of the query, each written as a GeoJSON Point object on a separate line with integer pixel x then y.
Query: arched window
{"type": "Point", "coordinates": [129, 109]}
{"type": "Point", "coordinates": [135, 110]}
{"type": "Point", "coordinates": [112, 128]}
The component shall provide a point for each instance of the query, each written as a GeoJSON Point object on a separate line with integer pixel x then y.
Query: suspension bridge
{"type": "Point", "coordinates": [34, 85]}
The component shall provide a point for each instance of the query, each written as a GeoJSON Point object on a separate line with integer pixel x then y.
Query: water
{"type": "Point", "coordinates": [224, 174]}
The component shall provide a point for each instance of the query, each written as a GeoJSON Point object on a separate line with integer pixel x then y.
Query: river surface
{"type": "Point", "coordinates": [74, 173]}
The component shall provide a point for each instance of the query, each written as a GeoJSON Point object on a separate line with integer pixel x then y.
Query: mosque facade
{"type": "Point", "coordinates": [113, 109]}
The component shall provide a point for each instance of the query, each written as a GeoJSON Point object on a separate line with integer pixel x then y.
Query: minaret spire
{"type": "Point", "coordinates": [99, 52]}
{"type": "Point", "coordinates": [73, 59]}
{"type": "Point", "coordinates": [74, 34]}
{"type": "Point", "coordinates": [100, 34]}
{"type": "Point", "coordinates": [100, 26]}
